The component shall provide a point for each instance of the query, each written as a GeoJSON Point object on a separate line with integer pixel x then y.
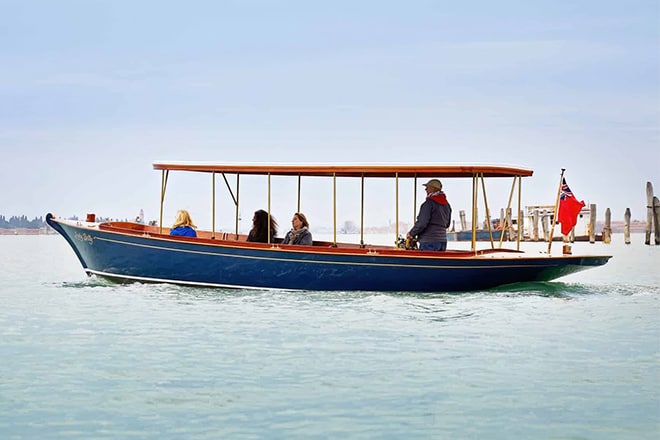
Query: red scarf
{"type": "Point", "coordinates": [439, 198]}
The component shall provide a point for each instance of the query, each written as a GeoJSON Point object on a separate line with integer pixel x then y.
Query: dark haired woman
{"type": "Point", "coordinates": [259, 231]}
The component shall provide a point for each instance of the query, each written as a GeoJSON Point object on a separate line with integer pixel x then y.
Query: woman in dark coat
{"type": "Point", "coordinates": [300, 233]}
{"type": "Point", "coordinates": [259, 231]}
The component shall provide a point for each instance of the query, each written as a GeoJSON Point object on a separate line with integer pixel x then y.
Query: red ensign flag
{"type": "Point", "coordinates": [569, 209]}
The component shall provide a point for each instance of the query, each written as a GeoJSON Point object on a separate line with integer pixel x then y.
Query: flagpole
{"type": "Point", "coordinates": [554, 217]}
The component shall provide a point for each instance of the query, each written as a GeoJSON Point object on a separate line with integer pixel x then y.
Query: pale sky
{"type": "Point", "coordinates": [93, 92]}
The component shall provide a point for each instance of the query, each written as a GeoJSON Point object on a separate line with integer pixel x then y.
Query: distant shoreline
{"type": "Point", "coordinates": [27, 231]}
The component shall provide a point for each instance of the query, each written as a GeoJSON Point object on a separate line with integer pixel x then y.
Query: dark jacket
{"type": "Point", "coordinates": [261, 239]}
{"type": "Point", "coordinates": [304, 238]}
{"type": "Point", "coordinates": [433, 220]}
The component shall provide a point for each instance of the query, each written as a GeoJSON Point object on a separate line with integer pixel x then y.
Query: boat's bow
{"type": "Point", "coordinates": [74, 232]}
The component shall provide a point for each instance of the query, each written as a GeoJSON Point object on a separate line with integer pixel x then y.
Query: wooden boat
{"type": "Point", "coordinates": [147, 253]}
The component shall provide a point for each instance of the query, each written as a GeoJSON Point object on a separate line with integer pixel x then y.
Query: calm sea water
{"type": "Point", "coordinates": [81, 358]}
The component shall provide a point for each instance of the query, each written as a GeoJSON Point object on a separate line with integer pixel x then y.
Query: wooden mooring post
{"type": "Point", "coordinates": [652, 215]}
{"type": "Point", "coordinates": [545, 224]}
{"type": "Point", "coordinates": [592, 223]}
{"type": "Point", "coordinates": [649, 212]}
{"type": "Point", "coordinates": [535, 225]}
{"type": "Point", "coordinates": [626, 226]}
{"type": "Point", "coordinates": [656, 219]}
{"type": "Point", "coordinates": [509, 225]}
{"type": "Point", "coordinates": [461, 215]}
{"type": "Point", "coordinates": [607, 228]}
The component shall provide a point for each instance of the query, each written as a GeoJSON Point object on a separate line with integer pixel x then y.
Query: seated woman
{"type": "Point", "coordinates": [300, 233]}
{"type": "Point", "coordinates": [183, 225]}
{"type": "Point", "coordinates": [259, 231]}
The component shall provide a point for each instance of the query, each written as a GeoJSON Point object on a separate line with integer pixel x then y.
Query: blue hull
{"type": "Point", "coordinates": [160, 258]}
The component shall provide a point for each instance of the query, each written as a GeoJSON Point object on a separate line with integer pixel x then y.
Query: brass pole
{"type": "Point", "coordinates": [236, 203]}
{"type": "Point", "coordinates": [505, 224]}
{"type": "Point", "coordinates": [490, 229]}
{"type": "Point", "coordinates": [415, 199]}
{"type": "Point", "coordinates": [475, 191]}
{"type": "Point", "coordinates": [163, 185]}
{"type": "Point", "coordinates": [268, 207]}
{"type": "Point", "coordinates": [396, 219]}
{"type": "Point", "coordinates": [299, 186]}
{"type": "Point", "coordinates": [520, 224]}
{"type": "Point", "coordinates": [362, 213]}
{"type": "Point", "coordinates": [213, 206]}
{"type": "Point", "coordinates": [334, 209]}
{"type": "Point", "coordinates": [554, 217]}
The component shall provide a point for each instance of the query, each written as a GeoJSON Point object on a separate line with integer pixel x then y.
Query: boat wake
{"type": "Point", "coordinates": [543, 288]}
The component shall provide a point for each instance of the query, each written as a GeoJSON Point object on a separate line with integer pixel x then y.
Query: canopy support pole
{"type": "Point", "coordinates": [475, 198]}
{"type": "Point", "coordinates": [505, 224]}
{"type": "Point", "coordinates": [334, 209]}
{"type": "Point", "coordinates": [163, 185]}
{"type": "Point", "coordinates": [238, 188]}
{"type": "Point", "coordinates": [415, 199]}
{"type": "Point", "coordinates": [269, 208]}
{"type": "Point", "coordinates": [490, 229]}
{"type": "Point", "coordinates": [362, 212]}
{"type": "Point", "coordinates": [299, 186]}
{"type": "Point", "coordinates": [520, 223]}
{"type": "Point", "coordinates": [213, 205]}
{"type": "Point", "coordinates": [396, 204]}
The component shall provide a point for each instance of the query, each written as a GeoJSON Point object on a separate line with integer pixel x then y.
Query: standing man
{"type": "Point", "coordinates": [433, 220]}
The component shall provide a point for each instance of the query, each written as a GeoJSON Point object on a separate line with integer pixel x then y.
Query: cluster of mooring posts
{"type": "Point", "coordinates": [544, 215]}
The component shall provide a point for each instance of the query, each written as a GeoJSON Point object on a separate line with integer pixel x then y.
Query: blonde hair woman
{"type": "Point", "coordinates": [183, 225]}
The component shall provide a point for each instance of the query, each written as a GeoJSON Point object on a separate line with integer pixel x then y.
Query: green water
{"type": "Point", "coordinates": [83, 358]}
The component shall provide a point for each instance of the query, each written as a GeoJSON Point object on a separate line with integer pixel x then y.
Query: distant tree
{"type": "Point", "coordinates": [348, 227]}
{"type": "Point", "coordinates": [22, 222]}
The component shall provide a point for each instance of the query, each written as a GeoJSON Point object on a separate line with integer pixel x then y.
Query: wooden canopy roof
{"type": "Point", "coordinates": [344, 170]}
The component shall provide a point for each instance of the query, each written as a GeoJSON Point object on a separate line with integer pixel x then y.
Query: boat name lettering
{"type": "Point", "coordinates": [84, 237]}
